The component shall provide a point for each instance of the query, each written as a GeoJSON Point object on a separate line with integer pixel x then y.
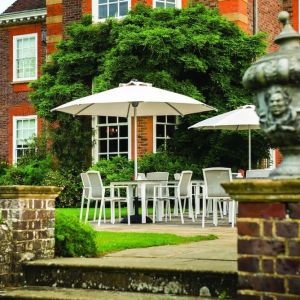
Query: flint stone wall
{"type": "Point", "coordinates": [26, 229]}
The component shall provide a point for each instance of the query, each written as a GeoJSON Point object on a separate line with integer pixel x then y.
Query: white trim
{"type": "Point", "coordinates": [15, 119]}
{"type": "Point", "coordinates": [15, 38]}
{"type": "Point", "coordinates": [23, 15]}
{"type": "Point", "coordinates": [178, 4]}
{"type": "Point", "coordinates": [95, 15]}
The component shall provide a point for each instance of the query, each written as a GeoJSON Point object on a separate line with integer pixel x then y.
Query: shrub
{"type": "Point", "coordinates": [73, 238]}
{"type": "Point", "coordinates": [115, 169]}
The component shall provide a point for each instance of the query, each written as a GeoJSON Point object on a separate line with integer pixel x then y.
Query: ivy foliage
{"type": "Point", "coordinates": [193, 51]}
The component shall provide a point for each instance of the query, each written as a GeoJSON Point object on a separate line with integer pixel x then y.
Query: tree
{"type": "Point", "coordinates": [193, 51]}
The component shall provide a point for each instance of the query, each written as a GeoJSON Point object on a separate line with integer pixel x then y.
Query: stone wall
{"type": "Point", "coordinates": [268, 238]}
{"type": "Point", "coordinates": [5, 254]}
{"type": "Point", "coordinates": [27, 229]}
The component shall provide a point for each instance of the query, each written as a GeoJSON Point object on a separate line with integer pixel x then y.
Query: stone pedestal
{"type": "Point", "coordinates": [26, 228]}
{"type": "Point", "coordinates": [268, 238]}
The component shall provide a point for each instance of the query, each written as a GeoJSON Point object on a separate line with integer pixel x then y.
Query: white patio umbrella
{"type": "Point", "coordinates": [134, 99]}
{"type": "Point", "coordinates": [242, 118]}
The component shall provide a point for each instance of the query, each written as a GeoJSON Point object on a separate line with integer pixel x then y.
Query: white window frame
{"type": "Point", "coordinates": [154, 131]}
{"type": "Point", "coordinates": [15, 39]}
{"type": "Point", "coordinates": [95, 126]}
{"type": "Point", "coordinates": [95, 11]}
{"type": "Point", "coordinates": [15, 119]}
{"type": "Point", "coordinates": [178, 3]}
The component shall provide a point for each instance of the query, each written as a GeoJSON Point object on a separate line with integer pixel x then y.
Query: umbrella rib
{"type": "Point", "coordinates": [174, 108]}
{"type": "Point", "coordinates": [128, 110]}
{"type": "Point", "coordinates": [86, 107]}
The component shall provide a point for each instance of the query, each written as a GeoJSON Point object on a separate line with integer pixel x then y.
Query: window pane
{"type": "Point", "coordinates": [113, 146]}
{"type": "Point", "coordinates": [122, 120]}
{"type": "Point", "coordinates": [101, 120]}
{"type": "Point", "coordinates": [102, 1]}
{"type": "Point", "coordinates": [161, 119]}
{"type": "Point", "coordinates": [170, 131]}
{"type": "Point", "coordinates": [171, 119]}
{"type": "Point", "coordinates": [123, 8]}
{"type": "Point", "coordinates": [160, 4]}
{"type": "Point", "coordinates": [123, 131]}
{"type": "Point", "coordinates": [102, 11]}
{"type": "Point", "coordinates": [170, 5]}
{"type": "Point", "coordinates": [123, 145]}
{"type": "Point", "coordinates": [113, 131]}
{"type": "Point", "coordinates": [113, 10]}
{"type": "Point", "coordinates": [103, 146]}
{"type": "Point", "coordinates": [160, 143]}
{"type": "Point", "coordinates": [112, 119]}
{"type": "Point", "coordinates": [160, 130]}
{"type": "Point", "coordinates": [103, 132]}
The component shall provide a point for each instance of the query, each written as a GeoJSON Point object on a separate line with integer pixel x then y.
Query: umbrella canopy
{"type": "Point", "coordinates": [242, 118]}
{"type": "Point", "coordinates": [134, 99]}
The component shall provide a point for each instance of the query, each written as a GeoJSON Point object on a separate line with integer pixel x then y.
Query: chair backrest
{"type": "Point", "coordinates": [177, 176]}
{"type": "Point", "coordinates": [213, 177]}
{"type": "Point", "coordinates": [163, 176]}
{"type": "Point", "coordinates": [184, 184]}
{"type": "Point", "coordinates": [258, 173]}
{"type": "Point", "coordinates": [85, 184]}
{"type": "Point", "coordinates": [141, 176]}
{"type": "Point", "coordinates": [96, 185]}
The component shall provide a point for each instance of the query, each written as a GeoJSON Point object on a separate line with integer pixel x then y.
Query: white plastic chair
{"type": "Point", "coordinates": [214, 193]}
{"type": "Point", "coordinates": [85, 192]}
{"type": "Point", "coordinates": [181, 191]}
{"type": "Point", "coordinates": [97, 192]}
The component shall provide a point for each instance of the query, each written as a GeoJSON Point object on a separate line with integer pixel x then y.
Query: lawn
{"type": "Point", "coordinates": [116, 241]}
{"type": "Point", "coordinates": [108, 241]}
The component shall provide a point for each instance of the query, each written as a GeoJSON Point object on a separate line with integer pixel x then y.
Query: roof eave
{"type": "Point", "coordinates": [26, 15]}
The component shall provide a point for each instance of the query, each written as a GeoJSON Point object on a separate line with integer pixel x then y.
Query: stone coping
{"type": "Point", "coordinates": [29, 192]}
{"type": "Point", "coordinates": [264, 190]}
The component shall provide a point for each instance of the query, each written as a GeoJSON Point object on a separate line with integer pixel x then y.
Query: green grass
{"type": "Point", "coordinates": [116, 241]}
{"type": "Point", "coordinates": [108, 241]}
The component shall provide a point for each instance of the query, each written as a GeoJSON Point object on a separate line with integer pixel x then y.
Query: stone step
{"type": "Point", "coordinates": [47, 293]}
{"type": "Point", "coordinates": [99, 274]}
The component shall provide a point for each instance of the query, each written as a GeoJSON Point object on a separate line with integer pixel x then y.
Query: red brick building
{"type": "Point", "coordinates": [29, 31]}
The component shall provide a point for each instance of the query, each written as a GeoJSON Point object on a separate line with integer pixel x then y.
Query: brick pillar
{"type": "Point", "coordinates": [54, 23]}
{"type": "Point", "coordinates": [268, 238]}
{"type": "Point", "coordinates": [235, 11]}
{"type": "Point", "coordinates": [26, 229]}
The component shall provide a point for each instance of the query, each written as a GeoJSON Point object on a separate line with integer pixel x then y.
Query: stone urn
{"type": "Point", "coordinates": [275, 81]}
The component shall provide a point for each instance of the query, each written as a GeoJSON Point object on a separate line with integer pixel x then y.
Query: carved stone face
{"type": "Point", "coordinates": [278, 104]}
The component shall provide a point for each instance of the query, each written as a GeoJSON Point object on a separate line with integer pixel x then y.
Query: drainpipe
{"type": "Point", "coordinates": [255, 16]}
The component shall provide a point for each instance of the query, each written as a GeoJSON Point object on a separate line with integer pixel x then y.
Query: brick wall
{"type": "Point", "coordinates": [72, 11]}
{"type": "Point", "coordinates": [28, 229]}
{"type": "Point", "coordinates": [268, 238]}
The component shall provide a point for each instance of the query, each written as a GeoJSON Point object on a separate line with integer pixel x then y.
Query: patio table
{"type": "Point", "coordinates": [141, 183]}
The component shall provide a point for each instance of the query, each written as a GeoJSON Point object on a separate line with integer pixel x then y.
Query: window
{"type": "Point", "coordinates": [112, 137]}
{"type": "Point", "coordinates": [165, 128]}
{"type": "Point", "coordinates": [24, 129]}
{"type": "Point", "coordinates": [103, 9]}
{"type": "Point", "coordinates": [166, 3]}
{"type": "Point", "coordinates": [25, 57]}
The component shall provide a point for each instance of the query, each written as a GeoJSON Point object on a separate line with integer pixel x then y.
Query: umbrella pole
{"type": "Point", "coordinates": [135, 145]}
{"type": "Point", "coordinates": [249, 149]}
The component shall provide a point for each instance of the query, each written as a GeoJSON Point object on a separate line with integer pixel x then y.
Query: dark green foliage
{"type": "Point", "coordinates": [164, 162]}
{"type": "Point", "coordinates": [115, 169]}
{"type": "Point", "coordinates": [73, 238]}
{"type": "Point", "coordinates": [192, 51]}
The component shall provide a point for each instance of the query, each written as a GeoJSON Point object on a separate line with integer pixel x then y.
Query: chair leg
{"type": "Point", "coordinates": [203, 211]}
{"type": "Point", "coordinates": [215, 212]}
{"type": "Point", "coordinates": [180, 210]}
{"type": "Point", "coordinates": [87, 210]}
{"type": "Point", "coordinates": [104, 212]}
{"type": "Point", "coordinates": [128, 210]}
{"type": "Point", "coordinates": [119, 208]}
{"type": "Point", "coordinates": [154, 211]}
{"type": "Point", "coordinates": [100, 214]}
{"type": "Point", "coordinates": [191, 210]}
{"type": "Point", "coordinates": [95, 212]}
{"type": "Point", "coordinates": [81, 206]}
{"type": "Point", "coordinates": [112, 212]}
{"type": "Point", "coordinates": [169, 205]}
